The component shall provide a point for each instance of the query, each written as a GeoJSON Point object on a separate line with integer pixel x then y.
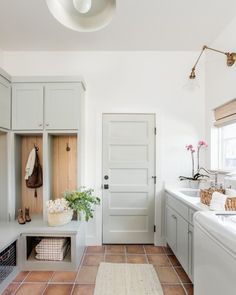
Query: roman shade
{"type": "Point", "coordinates": [225, 114]}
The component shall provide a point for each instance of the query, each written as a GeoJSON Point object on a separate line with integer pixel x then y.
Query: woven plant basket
{"type": "Point", "coordinates": [61, 218]}
{"type": "Point", "coordinates": [206, 196]}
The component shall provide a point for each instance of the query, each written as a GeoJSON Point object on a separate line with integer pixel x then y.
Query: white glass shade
{"type": "Point", "coordinates": [192, 84]}
{"type": "Point", "coordinates": [83, 6]}
{"type": "Point", "coordinates": [73, 16]}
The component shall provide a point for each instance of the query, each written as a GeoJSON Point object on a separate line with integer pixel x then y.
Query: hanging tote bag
{"type": "Point", "coordinates": [35, 180]}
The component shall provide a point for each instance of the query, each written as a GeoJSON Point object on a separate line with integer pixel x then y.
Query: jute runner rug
{"type": "Point", "coordinates": [127, 279]}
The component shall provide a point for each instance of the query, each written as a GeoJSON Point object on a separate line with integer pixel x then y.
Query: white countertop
{"type": "Point", "coordinates": [193, 202]}
{"type": "Point", "coordinates": [11, 231]}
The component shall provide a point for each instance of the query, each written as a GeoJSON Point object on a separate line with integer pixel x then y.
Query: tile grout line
{"type": "Point", "coordinates": [21, 283]}
{"type": "Point", "coordinates": [105, 253]}
{"type": "Point", "coordinates": [126, 260]}
{"type": "Point", "coordinates": [79, 268]}
{"type": "Point", "coordinates": [48, 282]}
{"type": "Point", "coordinates": [181, 283]}
{"type": "Point", "coordinates": [145, 253]}
{"type": "Point", "coordinates": [185, 289]}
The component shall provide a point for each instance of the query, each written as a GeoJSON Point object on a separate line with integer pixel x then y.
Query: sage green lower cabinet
{"type": "Point", "coordinates": [171, 228]}
{"type": "Point", "coordinates": [177, 236]}
{"type": "Point", "coordinates": [190, 255]}
{"type": "Point", "coordinates": [179, 232]}
{"type": "Point", "coordinates": [182, 242]}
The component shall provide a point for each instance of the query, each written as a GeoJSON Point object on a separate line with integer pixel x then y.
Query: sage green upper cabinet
{"type": "Point", "coordinates": [62, 105]}
{"type": "Point", "coordinates": [27, 106]}
{"type": "Point", "coordinates": [5, 103]}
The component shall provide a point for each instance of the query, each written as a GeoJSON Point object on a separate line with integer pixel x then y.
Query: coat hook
{"type": "Point", "coordinates": [36, 147]}
{"type": "Point", "coordinates": [67, 147]}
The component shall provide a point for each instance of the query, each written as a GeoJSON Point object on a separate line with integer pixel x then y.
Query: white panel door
{"type": "Point", "coordinates": [5, 103]}
{"type": "Point", "coordinates": [27, 106]}
{"type": "Point", "coordinates": [62, 105]}
{"type": "Point", "coordinates": [128, 183]}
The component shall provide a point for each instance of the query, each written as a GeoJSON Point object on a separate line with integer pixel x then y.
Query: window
{"type": "Point", "coordinates": [223, 140]}
{"type": "Point", "coordinates": [227, 147]}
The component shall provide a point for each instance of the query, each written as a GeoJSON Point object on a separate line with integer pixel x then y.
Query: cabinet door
{"type": "Point", "coordinates": [182, 242]}
{"type": "Point", "coordinates": [171, 228]}
{"type": "Point", "coordinates": [62, 105]}
{"type": "Point", "coordinates": [5, 104]}
{"type": "Point", "coordinates": [27, 106]}
{"type": "Point", "coordinates": [190, 254]}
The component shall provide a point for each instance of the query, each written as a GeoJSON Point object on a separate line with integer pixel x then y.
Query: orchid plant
{"type": "Point", "coordinates": [192, 150]}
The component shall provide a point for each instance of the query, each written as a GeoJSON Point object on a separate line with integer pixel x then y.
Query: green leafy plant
{"type": "Point", "coordinates": [82, 200]}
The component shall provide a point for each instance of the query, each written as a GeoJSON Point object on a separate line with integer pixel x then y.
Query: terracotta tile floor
{"type": "Point", "coordinates": [172, 276]}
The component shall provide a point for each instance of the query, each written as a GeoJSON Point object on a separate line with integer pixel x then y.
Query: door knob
{"type": "Point", "coordinates": [106, 177]}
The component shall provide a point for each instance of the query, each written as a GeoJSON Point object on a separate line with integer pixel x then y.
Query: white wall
{"type": "Point", "coordinates": [220, 79]}
{"type": "Point", "coordinates": [129, 82]}
{"type": "Point", "coordinates": [1, 58]}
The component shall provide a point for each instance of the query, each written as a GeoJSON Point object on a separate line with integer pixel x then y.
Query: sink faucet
{"type": "Point", "coordinates": [210, 173]}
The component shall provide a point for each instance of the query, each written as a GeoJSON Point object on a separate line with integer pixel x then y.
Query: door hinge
{"type": "Point", "coordinates": [154, 228]}
{"type": "Point", "coordinates": [155, 130]}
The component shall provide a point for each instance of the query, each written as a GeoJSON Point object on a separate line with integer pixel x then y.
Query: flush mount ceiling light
{"type": "Point", "coordinates": [230, 59]}
{"type": "Point", "coordinates": [83, 6]}
{"type": "Point", "coordinates": [82, 15]}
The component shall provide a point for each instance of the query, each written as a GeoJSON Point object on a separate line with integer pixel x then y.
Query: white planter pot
{"type": "Point", "coordinates": [194, 183]}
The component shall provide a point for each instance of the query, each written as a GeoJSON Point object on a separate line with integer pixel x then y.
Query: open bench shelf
{"type": "Point", "coordinates": [74, 232]}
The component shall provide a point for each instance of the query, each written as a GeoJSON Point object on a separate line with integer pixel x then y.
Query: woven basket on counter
{"type": "Point", "coordinates": [60, 218]}
{"type": "Point", "coordinates": [206, 196]}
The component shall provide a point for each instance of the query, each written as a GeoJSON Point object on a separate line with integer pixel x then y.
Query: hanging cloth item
{"type": "Point", "coordinates": [35, 180]}
{"type": "Point", "coordinates": [30, 164]}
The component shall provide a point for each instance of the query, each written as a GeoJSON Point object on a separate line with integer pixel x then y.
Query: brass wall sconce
{"type": "Point", "coordinates": [230, 59]}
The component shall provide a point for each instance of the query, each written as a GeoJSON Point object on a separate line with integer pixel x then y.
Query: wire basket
{"type": "Point", "coordinates": [7, 261]}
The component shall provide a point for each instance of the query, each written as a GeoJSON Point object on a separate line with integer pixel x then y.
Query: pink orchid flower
{"type": "Point", "coordinates": [190, 148]}
{"type": "Point", "coordinates": [202, 143]}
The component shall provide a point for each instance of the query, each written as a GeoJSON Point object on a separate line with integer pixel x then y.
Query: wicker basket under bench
{"type": "Point", "coordinates": [206, 196]}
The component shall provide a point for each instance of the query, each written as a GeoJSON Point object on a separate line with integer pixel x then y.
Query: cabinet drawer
{"type": "Point", "coordinates": [190, 215]}
{"type": "Point", "coordinates": [178, 206]}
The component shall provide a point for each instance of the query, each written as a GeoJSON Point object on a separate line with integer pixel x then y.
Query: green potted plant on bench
{"type": "Point", "coordinates": [82, 202]}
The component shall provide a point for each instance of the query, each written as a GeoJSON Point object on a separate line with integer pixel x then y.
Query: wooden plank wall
{"type": "Point", "coordinates": [64, 165]}
{"type": "Point", "coordinates": [27, 194]}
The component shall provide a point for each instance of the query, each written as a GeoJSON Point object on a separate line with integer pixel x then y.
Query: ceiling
{"type": "Point", "coordinates": [137, 25]}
